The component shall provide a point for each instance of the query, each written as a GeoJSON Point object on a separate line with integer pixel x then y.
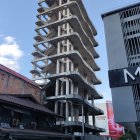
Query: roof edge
{"type": "Point", "coordinates": [120, 9]}
{"type": "Point", "coordinates": [18, 75]}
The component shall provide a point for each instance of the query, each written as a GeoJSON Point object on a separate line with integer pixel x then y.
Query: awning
{"type": "Point", "coordinates": [32, 134]}
{"type": "Point", "coordinates": [23, 103]}
{"type": "Point", "coordinates": [17, 110]}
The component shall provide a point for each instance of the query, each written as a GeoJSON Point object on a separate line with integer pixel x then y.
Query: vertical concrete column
{"type": "Point", "coordinates": [93, 119]}
{"type": "Point", "coordinates": [56, 107]}
{"type": "Point", "coordinates": [62, 66]}
{"type": "Point", "coordinates": [72, 113]}
{"type": "Point", "coordinates": [77, 90]}
{"type": "Point", "coordinates": [72, 66]}
{"type": "Point", "coordinates": [58, 47]}
{"type": "Point", "coordinates": [93, 116]}
{"type": "Point", "coordinates": [56, 94]}
{"type": "Point", "coordinates": [72, 87]}
{"type": "Point", "coordinates": [67, 104]}
{"type": "Point", "coordinates": [72, 47]}
{"type": "Point", "coordinates": [68, 65]}
{"type": "Point", "coordinates": [34, 67]}
{"type": "Point", "coordinates": [68, 28]}
{"type": "Point", "coordinates": [67, 86]}
{"type": "Point", "coordinates": [57, 88]}
{"type": "Point", "coordinates": [63, 42]}
{"type": "Point", "coordinates": [58, 66]}
{"type": "Point", "coordinates": [68, 12]}
{"type": "Point", "coordinates": [68, 42]}
{"type": "Point", "coordinates": [58, 62]}
{"type": "Point", "coordinates": [83, 122]}
{"type": "Point", "coordinates": [87, 117]}
{"type": "Point", "coordinates": [59, 31]}
{"type": "Point", "coordinates": [62, 90]}
{"type": "Point", "coordinates": [61, 104]}
{"type": "Point", "coordinates": [92, 100]}
{"type": "Point", "coordinates": [63, 60]}
{"type": "Point", "coordinates": [64, 12]}
{"type": "Point", "coordinates": [67, 110]}
{"type": "Point", "coordinates": [76, 113]}
{"type": "Point", "coordinates": [61, 110]}
{"type": "Point", "coordinates": [68, 45]}
{"type": "Point", "coordinates": [60, 2]}
{"type": "Point", "coordinates": [59, 15]}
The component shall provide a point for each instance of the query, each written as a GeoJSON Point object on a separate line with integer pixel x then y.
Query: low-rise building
{"type": "Point", "coordinates": [22, 116]}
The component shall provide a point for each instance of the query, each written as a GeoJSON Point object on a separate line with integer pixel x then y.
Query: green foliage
{"type": "Point", "coordinates": [128, 136]}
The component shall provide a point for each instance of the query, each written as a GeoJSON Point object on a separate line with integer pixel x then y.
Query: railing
{"type": "Point", "coordinates": [30, 126]}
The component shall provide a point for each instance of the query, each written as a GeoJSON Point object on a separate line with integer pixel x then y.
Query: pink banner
{"type": "Point", "coordinates": [115, 130]}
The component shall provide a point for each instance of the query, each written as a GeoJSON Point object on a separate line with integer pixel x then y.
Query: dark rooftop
{"type": "Point", "coordinates": [120, 9]}
{"type": "Point", "coordinates": [26, 104]}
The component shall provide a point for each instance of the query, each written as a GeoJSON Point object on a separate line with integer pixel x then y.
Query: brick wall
{"type": "Point", "coordinates": [10, 84]}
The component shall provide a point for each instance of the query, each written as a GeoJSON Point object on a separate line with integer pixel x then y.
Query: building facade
{"type": "Point", "coordinates": [122, 30]}
{"type": "Point", "coordinates": [23, 118]}
{"type": "Point", "coordinates": [14, 83]}
{"type": "Point", "coordinates": [22, 115]}
{"type": "Point", "coordinates": [64, 63]}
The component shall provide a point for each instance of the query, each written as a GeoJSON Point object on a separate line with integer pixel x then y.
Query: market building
{"type": "Point", "coordinates": [22, 116]}
{"type": "Point", "coordinates": [122, 30]}
{"type": "Point", "coordinates": [64, 64]}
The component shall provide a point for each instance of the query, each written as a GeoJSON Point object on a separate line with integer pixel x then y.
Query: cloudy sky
{"type": "Point", "coordinates": [17, 25]}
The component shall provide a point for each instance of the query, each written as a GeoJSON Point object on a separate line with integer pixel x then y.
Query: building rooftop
{"type": "Point", "coordinates": [26, 104]}
{"type": "Point", "coordinates": [120, 9]}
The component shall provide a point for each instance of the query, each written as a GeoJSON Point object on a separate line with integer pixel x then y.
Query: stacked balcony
{"type": "Point", "coordinates": [64, 63]}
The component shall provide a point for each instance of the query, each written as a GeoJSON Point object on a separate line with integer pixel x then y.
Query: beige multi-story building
{"type": "Point", "coordinates": [64, 63]}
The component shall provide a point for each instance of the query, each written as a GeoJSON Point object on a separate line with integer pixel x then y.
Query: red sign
{"type": "Point", "coordinates": [115, 130]}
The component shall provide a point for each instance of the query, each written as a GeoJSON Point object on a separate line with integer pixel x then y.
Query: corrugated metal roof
{"type": "Point", "coordinates": [26, 104]}
{"type": "Point", "coordinates": [5, 69]}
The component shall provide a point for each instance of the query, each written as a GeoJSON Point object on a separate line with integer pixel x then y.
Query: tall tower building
{"type": "Point", "coordinates": [122, 29]}
{"type": "Point", "coordinates": [64, 63]}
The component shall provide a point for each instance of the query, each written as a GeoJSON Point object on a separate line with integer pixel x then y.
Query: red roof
{"type": "Point", "coordinates": [5, 69]}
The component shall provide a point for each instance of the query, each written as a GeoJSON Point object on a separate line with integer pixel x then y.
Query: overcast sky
{"type": "Point", "coordinates": [17, 23]}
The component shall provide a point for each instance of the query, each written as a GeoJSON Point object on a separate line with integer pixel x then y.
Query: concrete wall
{"type": "Point", "coordinates": [10, 84]}
{"type": "Point", "coordinates": [114, 42]}
{"type": "Point", "coordinates": [123, 101]}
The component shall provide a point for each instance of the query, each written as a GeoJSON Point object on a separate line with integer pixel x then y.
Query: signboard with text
{"type": "Point", "coordinates": [107, 121]}
{"type": "Point", "coordinates": [115, 130]}
{"type": "Point", "coordinates": [124, 77]}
